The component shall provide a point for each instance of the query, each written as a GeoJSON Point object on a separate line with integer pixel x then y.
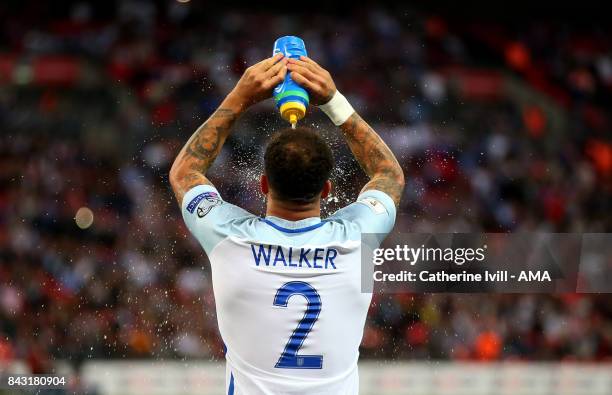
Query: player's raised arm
{"type": "Point", "coordinates": [375, 158]}
{"type": "Point", "coordinates": [369, 149]}
{"type": "Point", "coordinates": [256, 84]}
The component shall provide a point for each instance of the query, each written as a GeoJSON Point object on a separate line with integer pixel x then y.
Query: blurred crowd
{"type": "Point", "coordinates": [496, 131]}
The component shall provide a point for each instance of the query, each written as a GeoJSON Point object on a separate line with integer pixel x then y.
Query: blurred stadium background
{"type": "Point", "coordinates": [500, 117]}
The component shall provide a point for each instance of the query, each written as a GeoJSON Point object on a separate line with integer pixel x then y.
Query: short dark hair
{"type": "Point", "coordinates": [297, 163]}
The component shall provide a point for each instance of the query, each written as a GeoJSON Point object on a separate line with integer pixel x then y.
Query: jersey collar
{"type": "Point", "coordinates": [287, 226]}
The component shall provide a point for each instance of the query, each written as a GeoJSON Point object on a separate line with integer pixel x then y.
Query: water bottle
{"type": "Point", "coordinates": [290, 98]}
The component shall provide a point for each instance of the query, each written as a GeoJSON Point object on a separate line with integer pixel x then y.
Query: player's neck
{"type": "Point", "coordinates": [293, 211]}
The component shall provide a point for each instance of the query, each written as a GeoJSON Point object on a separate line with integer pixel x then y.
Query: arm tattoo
{"type": "Point", "coordinates": [375, 158]}
{"type": "Point", "coordinates": [200, 151]}
{"type": "Point", "coordinates": [204, 145]}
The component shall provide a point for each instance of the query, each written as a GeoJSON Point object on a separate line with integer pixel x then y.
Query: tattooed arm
{"type": "Point", "coordinates": [375, 158]}
{"type": "Point", "coordinates": [190, 166]}
{"type": "Point", "coordinates": [369, 149]}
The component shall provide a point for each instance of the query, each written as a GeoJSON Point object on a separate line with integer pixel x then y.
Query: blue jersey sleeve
{"type": "Point", "coordinates": [373, 212]}
{"type": "Point", "coordinates": [208, 217]}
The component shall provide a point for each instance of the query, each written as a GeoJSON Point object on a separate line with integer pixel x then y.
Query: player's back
{"type": "Point", "coordinates": [288, 293]}
{"type": "Point", "coordinates": [289, 304]}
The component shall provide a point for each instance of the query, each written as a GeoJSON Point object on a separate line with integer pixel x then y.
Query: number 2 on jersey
{"type": "Point", "coordinates": [290, 359]}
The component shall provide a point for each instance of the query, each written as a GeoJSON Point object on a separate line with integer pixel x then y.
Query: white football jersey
{"type": "Point", "coordinates": [288, 293]}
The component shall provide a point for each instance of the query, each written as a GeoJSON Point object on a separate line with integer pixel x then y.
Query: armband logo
{"type": "Point", "coordinates": [203, 203]}
{"type": "Point", "coordinates": [374, 205]}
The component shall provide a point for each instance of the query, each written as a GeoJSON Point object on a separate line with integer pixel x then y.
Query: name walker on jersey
{"type": "Point", "coordinates": [299, 257]}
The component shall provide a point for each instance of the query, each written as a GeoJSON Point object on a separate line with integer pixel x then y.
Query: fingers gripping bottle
{"type": "Point", "coordinates": [290, 98]}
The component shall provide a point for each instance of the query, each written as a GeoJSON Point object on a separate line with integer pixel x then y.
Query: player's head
{"type": "Point", "coordinates": [297, 165]}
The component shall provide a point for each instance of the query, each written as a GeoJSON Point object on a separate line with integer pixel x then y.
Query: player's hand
{"type": "Point", "coordinates": [314, 78]}
{"type": "Point", "coordinates": [258, 81]}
